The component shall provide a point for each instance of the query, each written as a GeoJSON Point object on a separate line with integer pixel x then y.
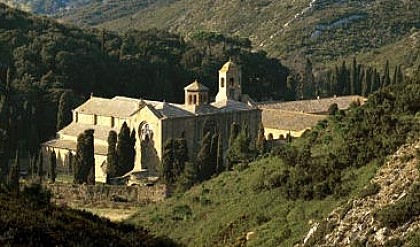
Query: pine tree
{"type": "Point", "coordinates": [124, 151]}
{"type": "Point", "coordinates": [112, 154]}
{"type": "Point", "coordinates": [52, 167]}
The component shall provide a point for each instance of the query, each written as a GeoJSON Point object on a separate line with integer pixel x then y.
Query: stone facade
{"type": "Point", "coordinates": [155, 122]}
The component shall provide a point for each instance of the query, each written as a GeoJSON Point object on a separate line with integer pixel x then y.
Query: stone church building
{"type": "Point", "coordinates": [155, 122]}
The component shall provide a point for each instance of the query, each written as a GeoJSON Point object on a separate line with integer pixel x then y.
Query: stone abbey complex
{"type": "Point", "coordinates": [155, 122]}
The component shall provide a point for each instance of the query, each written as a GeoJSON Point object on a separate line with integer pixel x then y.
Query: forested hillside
{"type": "Point", "coordinates": [40, 59]}
{"type": "Point", "coordinates": [274, 200]}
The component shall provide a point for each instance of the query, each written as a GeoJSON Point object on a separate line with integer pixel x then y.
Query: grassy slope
{"type": "Point", "coordinates": [377, 28]}
{"type": "Point", "coordinates": [225, 208]}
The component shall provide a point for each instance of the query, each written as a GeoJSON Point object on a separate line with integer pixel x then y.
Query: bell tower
{"type": "Point", "coordinates": [229, 82]}
{"type": "Point", "coordinates": [196, 94]}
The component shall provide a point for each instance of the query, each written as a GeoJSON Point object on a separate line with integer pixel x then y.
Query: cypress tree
{"type": "Point", "coordinates": [13, 178]}
{"type": "Point", "coordinates": [235, 129]}
{"type": "Point", "coordinates": [239, 151]}
{"type": "Point", "coordinates": [261, 143]}
{"type": "Point", "coordinates": [39, 165]}
{"type": "Point", "coordinates": [385, 80]}
{"type": "Point", "coordinates": [80, 161]}
{"type": "Point", "coordinates": [188, 178]}
{"type": "Point", "coordinates": [214, 148]}
{"type": "Point", "coordinates": [124, 146]}
{"type": "Point", "coordinates": [132, 150]}
{"type": "Point", "coordinates": [167, 162]}
{"type": "Point", "coordinates": [203, 158]}
{"type": "Point", "coordinates": [112, 154]}
{"type": "Point", "coordinates": [353, 77]}
{"type": "Point", "coordinates": [180, 156]}
{"type": "Point", "coordinates": [64, 112]}
{"type": "Point", "coordinates": [52, 167]}
{"type": "Point", "coordinates": [4, 164]}
{"type": "Point", "coordinates": [90, 157]}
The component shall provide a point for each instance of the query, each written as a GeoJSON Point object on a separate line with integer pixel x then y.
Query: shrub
{"type": "Point", "coordinates": [370, 189]}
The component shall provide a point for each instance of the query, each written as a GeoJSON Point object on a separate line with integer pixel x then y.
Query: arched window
{"type": "Point", "coordinates": [195, 99]}
{"type": "Point", "coordinates": [222, 82]}
{"type": "Point", "coordinates": [189, 99]}
{"type": "Point", "coordinates": [145, 133]}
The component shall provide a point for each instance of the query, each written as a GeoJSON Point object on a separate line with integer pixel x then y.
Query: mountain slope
{"type": "Point", "coordinates": [392, 194]}
{"type": "Point", "coordinates": [323, 30]}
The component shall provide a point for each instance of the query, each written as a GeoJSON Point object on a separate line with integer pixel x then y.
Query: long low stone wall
{"type": "Point", "coordinates": [92, 194]}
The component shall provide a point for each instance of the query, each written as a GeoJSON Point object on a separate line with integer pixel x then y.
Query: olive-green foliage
{"type": "Point", "coordinates": [223, 209]}
{"type": "Point", "coordinates": [370, 189]}
{"type": "Point", "coordinates": [403, 210]}
{"type": "Point", "coordinates": [32, 221]}
{"type": "Point", "coordinates": [239, 150]}
{"type": "Point", "coordinates": [363, 134]}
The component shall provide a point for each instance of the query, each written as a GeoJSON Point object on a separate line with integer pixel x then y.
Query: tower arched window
{"type": "Point", "coordinates": [222, 82]}
{"type": "Point", "coordinates": [231, 82]}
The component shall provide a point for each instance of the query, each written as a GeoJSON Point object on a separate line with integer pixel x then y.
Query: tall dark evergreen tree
{"type": "Point", "coordinates": [261, 143]}
{"type": "Point", "coordinates": [13, 178]}
{"type": "Point", "coordinates": [80, 161]}
{"type": "Point", "coordinates": [40, 165]}
{"type": "Point", "coordinates": [204, 158]}
{"type": "Point", "coordinates": [167, 162]}
{"type": "Point", "coordinates": [132, 150]}
{"type": "Point", "coordinates": [90, 156]}
{"type": "Point", "coordinates": [64, 110]}
{"type": "Point", "coordinates": [385, 79]}
{"type": "Point", "coordinates": [214, 148]}
{"type": "Point", "coordinates": [124, 151]}
{"type": "Point", "coordinates": [112, 154]}
{"type": "Point", "coordinates": [52, 167]}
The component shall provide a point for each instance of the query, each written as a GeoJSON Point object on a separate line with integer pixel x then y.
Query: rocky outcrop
{"type": "Point", "coordinates": [355, 222]}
